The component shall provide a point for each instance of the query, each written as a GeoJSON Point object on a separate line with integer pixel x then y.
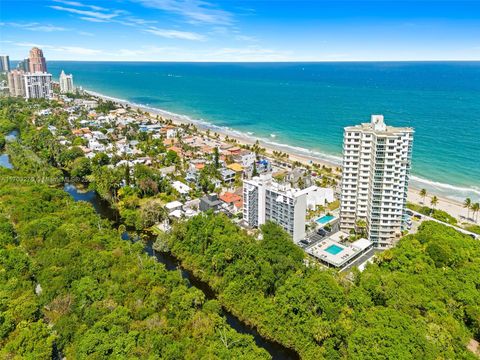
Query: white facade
{"type": "Point", "coordinates": [318, 196]}
{"type": "Point", "coordinates": [265, 199]}
{"type": "Point", "coordinates": [66, 83]}
{"type": "Point", "coordinates": [246, 158]}
{"type": "Point", "coordinates": [38, 85]}
{"type": "Point", "coordinates": [376, 171]}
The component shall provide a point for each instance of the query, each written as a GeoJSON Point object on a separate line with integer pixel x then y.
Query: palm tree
{"type": "Point", "coordinates": [467, 204]}
{"type": "Point", "coordinates": [475, 208]}
{"type": "Point", "coordinates": [423, 194]}
{"type": "Point", "coordinates": [434, 202]}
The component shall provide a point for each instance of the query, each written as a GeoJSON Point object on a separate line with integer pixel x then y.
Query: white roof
{"type": "Point", "coordinates": [331, 251]}
{"type": "Point", "coordinates": [181, 187]}
{"type": "Point", "coordinates": [361, 244]}
{"type": "Point", "coordinates": [173, 205]}
{"type": "Point", "coordinates": [176, 213]}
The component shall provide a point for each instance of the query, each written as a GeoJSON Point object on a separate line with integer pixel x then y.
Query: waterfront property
{"type": "Point", "coordinates": [376, 172]}
{"type": "Point", "coordinates": [66, 83]}
{"type": "Point", "coordinates": [332, 253]}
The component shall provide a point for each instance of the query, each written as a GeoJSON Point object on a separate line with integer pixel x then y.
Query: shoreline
{"type": "Point", "coordinates": [454, 206]}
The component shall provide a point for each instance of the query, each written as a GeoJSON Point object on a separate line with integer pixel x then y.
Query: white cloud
{"type": "Point", "coordinates": [100, 14]}
{"type": "Point", "coordinates": [246, 38]}
{"type": "Point", "coordinates": [195, 11]}
{"type": "Point", "coordinates": [175, 34]}
{"type": "Point", "coordinates": [88, 14]}
{"type": "Point", "coordinates": [85, 33]}
{"type": "Point", "coordinates": [79, 4]}
{"type": "Point", "coordinates": [144, 52]}
{"type": "Point", "coordinates": [34, 26]}
{"type": "Point", "coordinates": [139, 21]}
{"type": "Point", "coordinates": [75, 50]}
{"type": "Point", "coordinates": [250, 53]}
{"type": "Point", "coordinates": [92, 19]}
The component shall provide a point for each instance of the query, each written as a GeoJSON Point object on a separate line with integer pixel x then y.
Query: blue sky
{"type": "Point", "coordinates": [268, 30]}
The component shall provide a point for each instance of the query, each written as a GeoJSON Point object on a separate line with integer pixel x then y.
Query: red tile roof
{"type": "Point", "coordinates": [230, 198]}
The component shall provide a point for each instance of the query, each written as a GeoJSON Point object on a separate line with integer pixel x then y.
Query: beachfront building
{"type": "Point", "coordinates": [16, 83]}
{"type": "Point", "coordinates": [24, 65]}
{"type": "Point", "coordinates": [66, 83]}
{"type": "Point", "coordinates": [38, 85]}
{"type": "Point", "coordinates": [265, 199]}
{"type": "Point", "coordinates": [4, 63]}
{"type": "Point", "coordinates": [376, 171]}
{"type": "Point", "coordinates": [36, 61]}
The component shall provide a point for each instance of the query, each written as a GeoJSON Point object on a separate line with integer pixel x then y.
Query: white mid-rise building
{"type": "Point", "coordinates": [265, 199]}
{"type": "Point", "coordinates": [38, 85]}
{"type": "Point", "coordinates": [66, 83]}
{"type": "Point", "coordinates": [376, 171]}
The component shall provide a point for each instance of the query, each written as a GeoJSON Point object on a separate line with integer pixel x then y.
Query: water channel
{"type": "Point", "coordinates": [102, 207]}
{"type": "Point", "coordinates": [4, 158]}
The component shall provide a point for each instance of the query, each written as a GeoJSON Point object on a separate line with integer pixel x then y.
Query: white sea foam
{"type": "Point", "coordinates": [457, 193]}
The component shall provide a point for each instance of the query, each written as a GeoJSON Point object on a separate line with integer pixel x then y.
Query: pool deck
{"type": "Point", "coordinates": [349, 251]}
{"type": "Point", "coordinates": [335, 217]}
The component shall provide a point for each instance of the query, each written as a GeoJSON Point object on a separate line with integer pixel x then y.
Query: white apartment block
{"type": "Point", "coordinates": [38, 85]}
{"type": "Point", "coordinates": [265, 199]}
{"type": "Point", "coordinates": [376, 171]}
{"type": "Point", "coordinates": [66, 83]}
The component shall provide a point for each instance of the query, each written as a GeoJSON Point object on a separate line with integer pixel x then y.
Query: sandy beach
{"type": "Point", "coordinates": [452, 207]}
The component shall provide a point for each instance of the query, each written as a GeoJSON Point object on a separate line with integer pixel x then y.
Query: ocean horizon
{"type": "Point", "coordinates": [303, 107]}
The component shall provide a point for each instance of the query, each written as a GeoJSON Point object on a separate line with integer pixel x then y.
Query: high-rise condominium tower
{"type": "Point", "coordinates": [4, 63]}
{"type": "Point", "coordinates": [16, 83]}
{"type": "Point", "coordinates": [38, 85]}
{"type": "Point", "coordinates": [376, 171]}
{"type": "Point", "coordinates": [37, 62]}
{"type": "Point", "coordinates": [66, 83]}
{"type": "Point", "coordinates": [24, 65]}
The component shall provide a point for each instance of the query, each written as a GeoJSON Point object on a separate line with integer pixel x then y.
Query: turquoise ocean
{"type": "Point", "coordinates": [303, 107]}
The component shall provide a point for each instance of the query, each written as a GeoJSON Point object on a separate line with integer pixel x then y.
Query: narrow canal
{"type": "Point", "coordinates": [4, 158]}
{"type": "Point", "coordinates": [276, 351]}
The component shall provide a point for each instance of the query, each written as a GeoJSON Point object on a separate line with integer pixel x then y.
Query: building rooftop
{"type": "Point", "coordinates": [230, 198]}
{"type": "Point", "coordinates": [377, 124]}
{"type": "Point", "coordinates": [235, 167]}
{"type": "Point", "coordinates": [336, 254]}
{"type": "Point", "coordinates": [173, 205]}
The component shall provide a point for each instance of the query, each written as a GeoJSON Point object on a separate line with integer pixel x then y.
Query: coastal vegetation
{"type": "Point", "coordinates": [434, 213]}
{"type": "Point", "coordinates": [70, 282]}
{"type": "Point", "coordinates": [420, 300]}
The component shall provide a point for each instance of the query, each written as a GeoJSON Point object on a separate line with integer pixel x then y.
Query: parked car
{"type": "Point", "coordinates": [322, 232]}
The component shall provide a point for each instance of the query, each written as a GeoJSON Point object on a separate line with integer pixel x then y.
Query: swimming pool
{"type": "Point", "coordinates": [334, 249]}
{"type": "Point", "coordinates": [325, 219]}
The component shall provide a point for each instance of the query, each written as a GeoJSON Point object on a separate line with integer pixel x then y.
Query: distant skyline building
{"type": "Point", "coordinates": [4, 63]}
{"type": "Point", "coordinates": [66, 83]}
{"type": "Point", "coordinates": [24, 65]}
{"type": "Point", "coordinates": [376, 172]}
{"type": "Point", "coordinates": [38, 85]}
{"type": "Point", "coordinates": [37, 62]}
{"type": "Point", "coordinates": [16, 83]}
